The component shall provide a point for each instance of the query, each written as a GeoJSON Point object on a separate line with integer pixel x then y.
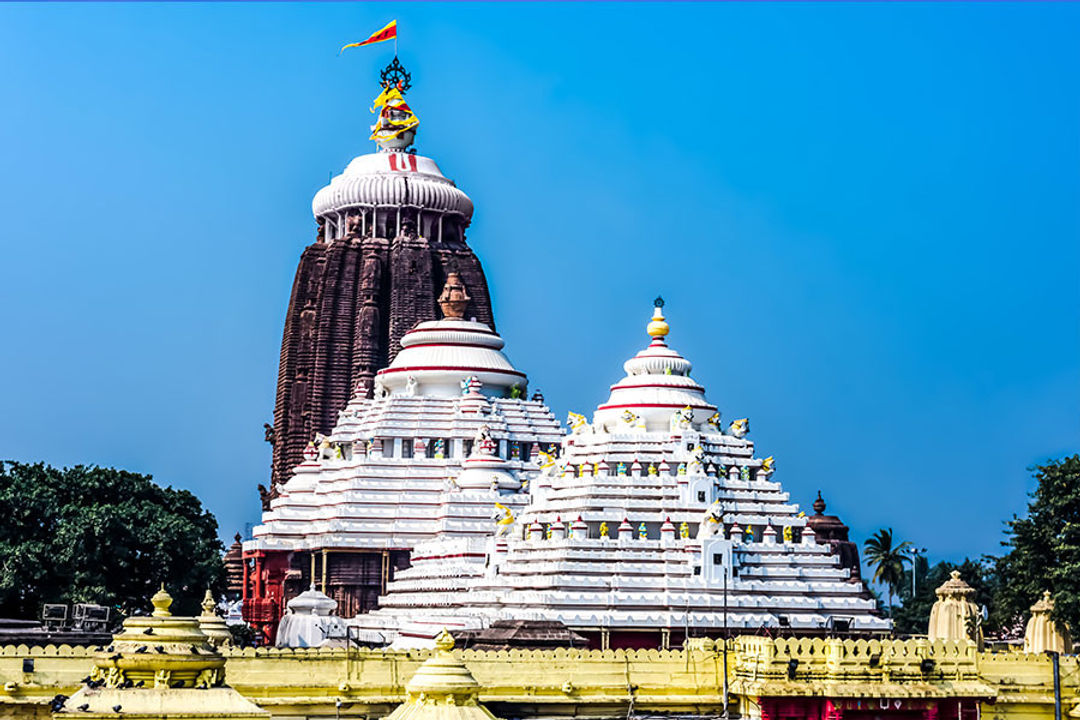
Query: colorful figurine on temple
{"type": "Point", "coordinates": [684, 530]}
{"type": "Point", "coordinates": [577, 422]}
{"type": "Point", "coordinates": [603, 530]}
{"type": "Point", "coordinates": [504, 520]}
{"type": "Point", "coordinates": [739, 428]}
{"type": "Point", "coordinates": [642, 531]}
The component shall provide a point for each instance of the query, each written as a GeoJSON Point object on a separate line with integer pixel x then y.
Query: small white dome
{"type": "Point", "coordinates": [391, 179]}
{"type": "Point", "coordinates": [436, 356]}
{"type": "Point", "coordinates": [657, 383]}
{"type": "Point", "coordinates": [312, 602]}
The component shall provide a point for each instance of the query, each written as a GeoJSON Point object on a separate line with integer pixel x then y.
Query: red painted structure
{"type": "Point", "coordinates": [817, 708]}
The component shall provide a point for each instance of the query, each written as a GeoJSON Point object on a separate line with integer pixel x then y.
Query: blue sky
{"type": "Point", "coordinates": [864, 219]}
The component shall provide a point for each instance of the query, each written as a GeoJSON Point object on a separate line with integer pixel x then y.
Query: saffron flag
{"type": "Point", "coordinates": [387, 33]}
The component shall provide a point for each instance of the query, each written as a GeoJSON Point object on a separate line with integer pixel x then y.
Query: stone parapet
{"type": "Point", "coordinates": [601, 683]}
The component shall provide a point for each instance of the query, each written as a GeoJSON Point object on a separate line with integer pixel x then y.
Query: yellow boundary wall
{"type": "Point", "coordinates": [309, 682]}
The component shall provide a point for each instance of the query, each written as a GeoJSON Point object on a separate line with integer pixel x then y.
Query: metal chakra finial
{"type": "Point", "coordinates": [395, 128]}
{"type": "Point", "coordinates": [395, 75]}
{"type": "Point", "coordinates": [658, 302]}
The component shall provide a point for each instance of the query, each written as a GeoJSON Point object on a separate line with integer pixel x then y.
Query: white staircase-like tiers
{"type": "Point", "coordinates": [406, 466]}
{"type": "Point", "coordinates": [653, 517]}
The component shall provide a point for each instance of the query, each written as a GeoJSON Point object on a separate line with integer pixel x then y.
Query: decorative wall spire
{"type": "Point", "coordinates": [954, 615]}
{"type": "Point", "coordinates": [1042, 634]}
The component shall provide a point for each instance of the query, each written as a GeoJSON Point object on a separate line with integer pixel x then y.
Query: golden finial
{"type": "Point", "coordinates": [657, 327]}
{"type": "Point", "coordinates": [161, 601]}
{"type": "Point", "coordinates": [208, 603]}
{"type": "Point", "coordinates": [444, 641]}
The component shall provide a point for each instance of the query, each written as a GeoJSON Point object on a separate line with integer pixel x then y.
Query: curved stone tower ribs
{"type": "Point", "coordinates": [351, 302]}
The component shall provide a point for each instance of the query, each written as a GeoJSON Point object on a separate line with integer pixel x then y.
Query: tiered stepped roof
{"type": "Point", "coordinates": [652, 517]}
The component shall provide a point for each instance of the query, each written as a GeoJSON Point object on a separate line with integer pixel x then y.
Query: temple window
{"type": "Point", "coordinates": [406, 447]}
{"type": "Point", "coordinates": [526, 451]}
{"type": "Point", "coordinates": [388, 447]}
{"type": "Point", "coordinates": [466, 446]}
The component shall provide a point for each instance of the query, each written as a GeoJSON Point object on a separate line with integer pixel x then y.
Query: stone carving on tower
{"type": "Point", "coordinates": [391, 233]}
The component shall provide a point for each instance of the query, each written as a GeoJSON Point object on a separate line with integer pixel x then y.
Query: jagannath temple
{"type": "Point", "coordinates": [422, 499]}
{"type": "Point", "coordinates": [440, 494]}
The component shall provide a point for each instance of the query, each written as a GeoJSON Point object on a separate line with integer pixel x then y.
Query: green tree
{"type": "Point", "coordinates": [1044, 549]}
{"type": "Point", "coordinates": [887, 559]}
{"type": "Point", "coordinates": [100, 535]}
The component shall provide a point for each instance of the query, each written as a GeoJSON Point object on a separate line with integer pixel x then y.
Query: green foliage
{"type": "Point", "coordinates": [242, 635]}
{"type": "Point", "coordinates": [1044, 548]}
{"type": "Point", "coordinates": [887, 559]}
{"type": "Point", "coordinates": [913, 617]}
{"type": "Point", "coordinates": [100, 535]}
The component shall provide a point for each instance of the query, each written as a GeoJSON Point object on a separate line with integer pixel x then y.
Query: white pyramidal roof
{"type": "Point", "coordinates": [448, 434]}
{"type": "Point", "coordinates": [653, 516]}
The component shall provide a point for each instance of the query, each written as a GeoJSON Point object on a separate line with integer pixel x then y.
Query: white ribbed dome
{"type": "Point", "coordinates": [437, 355]}
{"type": "Point", "coordinates": [392, 178]}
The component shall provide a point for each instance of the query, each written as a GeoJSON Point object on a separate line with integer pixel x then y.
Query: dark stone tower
{"type": "Point", "coordinates": [391, 227]}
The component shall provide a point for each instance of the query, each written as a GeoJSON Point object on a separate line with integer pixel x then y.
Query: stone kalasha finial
{"type": "Point", "coordinates": [1042, 634]}
{"type": "Point", "coordinates": [208, 603]}
{"type": "Point", "coordinates": [819, 504]}
{"type": "Point", "coordinates": [444, 641]}
{"type": "Point", "coordinates": [454, 297]}
{"type": "Point", "coordinates": [161, 601]}
{"type": "Point", "coordinates": [657, 327]}
{"type": "Point", "coordinates": [954, 616]}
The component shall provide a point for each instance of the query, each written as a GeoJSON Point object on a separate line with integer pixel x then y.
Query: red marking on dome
{"type": "Point", "coordinates": [694, 386]}
{"type": "Point", "coordinates": [447, 344]}
{"type": "Point", "coordinates": [450, 329]}
{"type": "Point", "coordinates": [656, 405]}
{"type": "Point", "coordinates": [453, 368]}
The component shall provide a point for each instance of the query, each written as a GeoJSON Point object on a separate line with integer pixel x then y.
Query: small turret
{"type": "Point", "coordinates": [442, 688]}
{"type": "Point", "coordinates": [1042, 634]}
{"type": "Point", "coordinates": [954, 616]}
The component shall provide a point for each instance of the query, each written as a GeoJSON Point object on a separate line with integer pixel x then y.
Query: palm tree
{"type": "Point", "coordinates": [887, 560]}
